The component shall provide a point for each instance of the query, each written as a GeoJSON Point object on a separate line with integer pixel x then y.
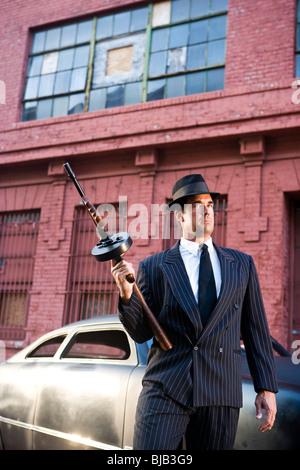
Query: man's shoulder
{"type": "Point", "coordinates": [235, 254]}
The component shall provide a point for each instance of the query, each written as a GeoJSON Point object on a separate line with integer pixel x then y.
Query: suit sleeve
{"type": "Point", "coordinates": [256, 336]}
{"type": "Point", "coordinates": [132, 316]}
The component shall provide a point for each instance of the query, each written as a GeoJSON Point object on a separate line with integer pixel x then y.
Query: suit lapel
{"type": "Point", "coordinates": [174, 270]}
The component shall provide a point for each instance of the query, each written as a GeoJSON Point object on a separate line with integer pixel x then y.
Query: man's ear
{"type": "Point", "coordinates": [179, 216]}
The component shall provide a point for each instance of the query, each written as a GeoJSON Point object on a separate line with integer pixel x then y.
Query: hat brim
{"type": "Point", "coordinates": [180, 200]}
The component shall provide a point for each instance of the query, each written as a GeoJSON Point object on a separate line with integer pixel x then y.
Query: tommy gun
{"type": "Point", "coordinates": [112, 247]}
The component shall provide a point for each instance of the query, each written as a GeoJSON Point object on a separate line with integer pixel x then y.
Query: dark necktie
{"type": "Point", "coordinates": [207, 296]}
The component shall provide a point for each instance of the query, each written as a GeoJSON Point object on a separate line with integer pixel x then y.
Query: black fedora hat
{"type": "Point", "coordinates": [190, 185]}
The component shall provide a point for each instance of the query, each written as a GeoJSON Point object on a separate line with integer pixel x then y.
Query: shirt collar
{"type": "Point", "coordinates": [194, 247]}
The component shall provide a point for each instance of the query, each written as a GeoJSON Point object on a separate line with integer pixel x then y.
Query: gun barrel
{"type": "Point", "coordinates": [73, 178]}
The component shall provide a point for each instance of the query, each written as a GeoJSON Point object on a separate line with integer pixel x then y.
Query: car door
{"type": "Point", "coordinates": [82, 397]}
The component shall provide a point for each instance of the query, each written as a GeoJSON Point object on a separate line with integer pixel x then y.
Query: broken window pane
{"type": "Point", "coordinates": [50, 63]}
{"type": "Point", "coordinates": [176, 60]}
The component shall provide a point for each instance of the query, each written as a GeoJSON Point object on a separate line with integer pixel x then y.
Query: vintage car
{"type": "Point", "coordinates": [77, 388]}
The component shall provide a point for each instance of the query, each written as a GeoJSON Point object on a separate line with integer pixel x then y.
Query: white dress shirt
{"type": "Point", "coordinates": [191, 253]}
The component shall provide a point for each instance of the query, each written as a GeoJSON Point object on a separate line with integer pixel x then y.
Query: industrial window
{"type": "Point", "coordinates": [91, 290]}
{"type": "Point", "coordinates": [298, 42]}
{"type": "Point", "coordinates": [167, 49]}
{"type": "Point", "coordinates": [18, 238]}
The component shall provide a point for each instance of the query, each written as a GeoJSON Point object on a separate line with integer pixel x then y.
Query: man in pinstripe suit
{"type": "Point", "coordinates": [195, 388]}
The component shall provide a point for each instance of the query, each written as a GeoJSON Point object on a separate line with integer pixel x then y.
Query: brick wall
{"type": "Point", "coordinates": [243, 139]}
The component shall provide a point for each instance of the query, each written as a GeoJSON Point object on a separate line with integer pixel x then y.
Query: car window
{"type": "Point", "coordinates": [107, 344]}
{"type": "Point", "coordinates": [47, 348]}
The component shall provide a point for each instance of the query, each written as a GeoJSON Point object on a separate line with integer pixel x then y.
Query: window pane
{"type": "Point", "coordinates": [298, 36]}
{"type": "Point", "coordinates": [97, 99]}
{"type": "Point", "coordinates": [68, 35]}
{"type": "Point", "coordinates": [216, 52]}
{"type": "Point", "coordinates": [84, 32]}
{"type": "Point", "coordinates": [104, 27]}
{"type": "Point", "coordinates": [217, 27]}
{"type": "Point", "coordinates": [157, 64]}
{"type": "Point", "coordinates": [60, 106]}
{"type": "Point", "coordinates": [44, 109]}
{"type": "Point", "coordinates": [160, 39]}
{"type": "Point", "coordinates": [38, 43]}
{"type": "Point", "coordinates": [99, 345]}
{"type": "Point", "coordinates": [198, 32]}
{"type": "Point", "coordinates": [298, 66]}
{"type": "Point", "coordinates": [199, 8]}
{"type": "Point", "coordinates": [48, 348]}
{"type": "Point", "coordinates": [35, 65]}
{"type": "Point", "coordinates": [139, 19]}
{"type": "Point", "coordinates": [62, 82]}
{"type": "Point", "coordinates": [176, 60]}
{"type": "Point", "coordinates": [180, 10]}
{"type": "Point", "coordinates": [133, 93]}
{"type": "Point", "coordinates": [179, 35]}
{"type": "Point", "coordinates": [50, 63]}
{"type": "Point", "coordinates": [65, 60]}
{"type": "Point", "coordinates": [81, 56]}
{"type": "Point", "coordinates": [115, 96]}
{"type": "Point", "coordinates": [196, 57]}
{"type": "Point", "coordinates": [76, 103]}
{"type": "Point", "coordinates": [161, 13]}
{"type": "Point", "coordinates": [156, 90]}
{"type": "Point", "coordinates": [121, 23]}
{"type": "Point", "coordinates": [78, 79]}
{"type": "Point", "coordinates": [175, 86]}
{"type": "Point", "coordinates": [215, 80]}
{"type": "Point", "coordinates": [29, 111]}
{"type": "Point", "coordinates": [32, 88]}
{"type": "Point", "coordinates": [46, 85]}
{"type": "Point", "coordinates": [195, 83]}
{"type": "Point", "coordinates": [52, 39]}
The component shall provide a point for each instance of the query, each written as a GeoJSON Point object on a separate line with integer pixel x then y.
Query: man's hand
{"type": "Point", "coordinates": [119, 272]}
{"type": "Point", "coordinates": [266, 401]}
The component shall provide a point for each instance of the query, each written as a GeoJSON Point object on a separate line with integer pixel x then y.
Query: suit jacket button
{"type": "Point", "coordinates": [196, 348]}
{"type": "Point", "coordinates": [220, 350]}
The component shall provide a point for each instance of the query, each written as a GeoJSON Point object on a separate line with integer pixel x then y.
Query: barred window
{"type": "Point", "coordinates": [18, 239]}
{"type": "Point", "coordinates": [167, 49]}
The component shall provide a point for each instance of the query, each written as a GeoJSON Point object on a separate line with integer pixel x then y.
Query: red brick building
{"type": "Point", "coordinates": [135, 94]}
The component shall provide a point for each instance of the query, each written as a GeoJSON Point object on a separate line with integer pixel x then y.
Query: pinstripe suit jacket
{"type": "Point", "coordinates": [203, 367]}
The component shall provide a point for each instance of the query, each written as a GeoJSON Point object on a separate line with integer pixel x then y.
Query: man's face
{"type": "Point", "coordinates": [197, 218]}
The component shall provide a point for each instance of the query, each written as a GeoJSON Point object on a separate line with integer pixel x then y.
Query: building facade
{"type": "Point", "coordinates": [135, 94]}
